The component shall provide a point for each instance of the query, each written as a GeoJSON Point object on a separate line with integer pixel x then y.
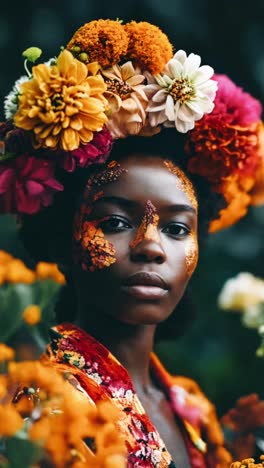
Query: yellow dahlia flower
{"type": "Point", "coordinates": [62, 105]}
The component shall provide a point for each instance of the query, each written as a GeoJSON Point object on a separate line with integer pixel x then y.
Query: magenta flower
{"type": "Point", "coordinates": [233, 105]}
{"type": "Point", "coordinates": [27, 184]}
{"type": "Point", "coordinates": [95, 152]}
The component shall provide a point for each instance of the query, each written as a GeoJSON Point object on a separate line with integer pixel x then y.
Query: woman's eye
{"type": "Point", "coordinates": [114, 224]}
{"type": "Point", "coordinates": [176, 230]}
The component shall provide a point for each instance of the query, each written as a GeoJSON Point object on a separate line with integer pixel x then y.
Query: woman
{"type": "Point", "coordinates": [138, 216]}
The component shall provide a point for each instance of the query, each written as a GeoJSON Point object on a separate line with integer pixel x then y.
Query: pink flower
{"type": "Point", "coordinates": [233, 105]}
{"type": "Point", "coordinates": [27, 184]}
{"type": "Point", "coordinates": [95, 152]}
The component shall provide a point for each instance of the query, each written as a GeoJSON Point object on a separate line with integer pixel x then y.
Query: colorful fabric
{"type": "Point", "coordinates": [97, 373]}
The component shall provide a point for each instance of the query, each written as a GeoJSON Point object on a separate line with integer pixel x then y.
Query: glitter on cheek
{"type": "Point", "coordinates": [93, 251]}
{"type": "Point", "coordinates": [148, 229]}
{"type": "Point", "coordinates": [183, 182]}
{"type": "Point", "coordinates": [191, 253]}
{"type": "Point", "coordinates": [90, 248]}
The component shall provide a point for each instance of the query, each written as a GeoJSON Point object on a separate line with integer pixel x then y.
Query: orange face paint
{"type": "Point", "coordinates": [191, 251]}
{"type": "Point", "coordinates": [90, 249]}
{"type": "Point", "coordinates": [148, 227]}
{"type": "Point", "coordinates": [183, 182]}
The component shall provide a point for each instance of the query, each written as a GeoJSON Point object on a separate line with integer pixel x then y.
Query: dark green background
{"type": "Point", "coordinates": [229, 35]}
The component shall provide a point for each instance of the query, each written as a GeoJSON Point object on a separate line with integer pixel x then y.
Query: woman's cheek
{"type": "Point", "coordinates": [191, 253]}
{"type": "Point", "coordinates": [91, 249]}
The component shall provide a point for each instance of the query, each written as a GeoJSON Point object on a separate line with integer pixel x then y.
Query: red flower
{"type": "Point", "coordinates": [95, 152]}
{"type": "Point", "coordinates": [27, 184]}
{"type": "Point", "coordinates": [226, 141]}
{"type": "Point", "coordinates": [14, 140]}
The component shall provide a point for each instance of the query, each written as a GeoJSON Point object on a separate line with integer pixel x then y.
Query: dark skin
{"type": "Point", "coordinates": [123, 323]}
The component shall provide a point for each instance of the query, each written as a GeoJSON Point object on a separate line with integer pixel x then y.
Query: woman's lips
{"type": "Point", "coordinates": [145, 285]}
{"type": "Point", "coordinates": [141, 291]}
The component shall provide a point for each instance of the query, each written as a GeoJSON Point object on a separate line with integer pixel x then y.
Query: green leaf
{"type": "Point", "coordinates": [14, 298]}
{"type": "Point", "coordinates": [22, 452]}
{"type": "Point", "coordinates": [32, 54]}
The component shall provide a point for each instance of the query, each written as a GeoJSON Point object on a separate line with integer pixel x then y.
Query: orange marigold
{"type": "Point", "coordinates": [217, 152]}
{"type": "Point", "coordinates": [148, 46]}
{"type": "Point", "coordinates": [46, 270]}
{"type": "Point", "coordinates": [32, 314]}
{"type": "Point", "coordinates": [6, 353]}
{"type": "Point", "coordinates": [257, 192]}
{"type": "Point", "coordinates": [10, 420]}
{"type": "Point", "coordinates": [61, 104]}
{"type": "Point", "coordinates": [103, 41]}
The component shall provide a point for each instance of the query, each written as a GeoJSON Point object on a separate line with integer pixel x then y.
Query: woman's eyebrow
{"type": "Point", "coordinates": [120, 201]}
{"type": "Point", "coordinates": [178, 207]}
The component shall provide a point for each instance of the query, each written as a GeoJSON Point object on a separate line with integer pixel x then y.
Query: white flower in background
{"type": "Point", "coordinates": [11, 100]}
{"type": "Point", "coordinates": [242, 293]}
{"type": "Point", "coordinates": [182, 93]}
{"type": "Point", "coordinates": [253, 317]}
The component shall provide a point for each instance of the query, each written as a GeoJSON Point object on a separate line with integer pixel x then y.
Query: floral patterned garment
{"type": "Point", "coordinates": [97, 373]}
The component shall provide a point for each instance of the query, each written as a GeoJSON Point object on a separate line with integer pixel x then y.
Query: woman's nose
{"type": "Point", "coordinates": [147, 251]}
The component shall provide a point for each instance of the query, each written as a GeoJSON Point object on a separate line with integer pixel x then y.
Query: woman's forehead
{"type": "Point", "coordinates": [151, 177]}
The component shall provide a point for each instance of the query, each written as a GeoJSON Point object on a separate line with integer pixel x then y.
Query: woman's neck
{"type": "Point", "coordinates": [130, 344]}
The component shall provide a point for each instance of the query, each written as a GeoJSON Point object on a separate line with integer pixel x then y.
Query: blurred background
{"type": "Point", "coordinates": [216, 350]}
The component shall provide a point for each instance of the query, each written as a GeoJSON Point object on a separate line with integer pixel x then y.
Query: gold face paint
{"type": "Point", "coordinates": [184, 183]}
{"type": "Point", "coordinates": [148, 227]}
{"type": "Point", "coordinates": [191, 252]}
{"type": "Point", "coordinates": [90, 249]}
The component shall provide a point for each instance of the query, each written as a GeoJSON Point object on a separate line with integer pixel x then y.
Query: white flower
{"type": "Point", "coordinates": [11, 100]}
{"type": "Point", "coordinates": [182, 93]}
{"type": "Point", "coordinates": [241, 292]}
{"type": "Point", "coordinates": [254, 316]}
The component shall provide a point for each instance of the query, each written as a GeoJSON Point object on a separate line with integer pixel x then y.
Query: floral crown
{"type": "Point", "coordinates": [114, 80]}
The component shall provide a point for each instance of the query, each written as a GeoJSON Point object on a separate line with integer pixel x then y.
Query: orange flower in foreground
{"type": "Point", "coordinates": [46, 270]}
{"type": "Point", "coordinates": [61, 104]}
{"type": "Point", "coordinates": [5, 257]}
{"type": "Point", "coordinates": [17, 272]}
{"type": "Point", "coordinates": [102, 41]}
{"type": "Point", "coordinates": [32, 314]}
{"type": "Point", "coordinates": [10, 420]}
{"type": "Point", "coordinates": [6, 353]}
{"type": "Point", "coordinates": [148, 46]}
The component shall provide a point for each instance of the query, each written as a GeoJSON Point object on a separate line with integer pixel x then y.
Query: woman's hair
{"type": "Point", "coordinates": [48, 234]}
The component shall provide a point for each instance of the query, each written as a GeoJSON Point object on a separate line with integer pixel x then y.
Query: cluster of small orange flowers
{"type": "Point", "coordinates": [248, 463]}
{"type": "Point", "coordinates": [65, 418]}
{"type": "Point", "coordinates": [6, 353]}
{"type": "Point", "coordinates": [46, 270]}
{"type": "Point", "coordinates": [13, 270]}
{"type": "Point", "coordinates": [102, 41]}
{"type": "Point", "coordinates": [148, 46]}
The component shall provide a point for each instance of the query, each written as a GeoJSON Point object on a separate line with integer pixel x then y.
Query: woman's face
{"type": "Point", "coordinates": [147, 221]}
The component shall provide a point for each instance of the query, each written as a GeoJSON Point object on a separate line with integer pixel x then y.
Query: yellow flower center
{"type": "Point", "coordinates": [57, 102]}
{"type": "Point", "coordinates": [119, 87]}
{"type": "Point", "coordinates": [181, 90]}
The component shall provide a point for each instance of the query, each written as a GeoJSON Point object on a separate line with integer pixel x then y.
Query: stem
{"type": "Point", "coordinates": [26, 68]}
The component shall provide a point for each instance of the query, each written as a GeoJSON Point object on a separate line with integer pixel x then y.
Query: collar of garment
{"type": "Point", "coordinates": [101, 376]}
